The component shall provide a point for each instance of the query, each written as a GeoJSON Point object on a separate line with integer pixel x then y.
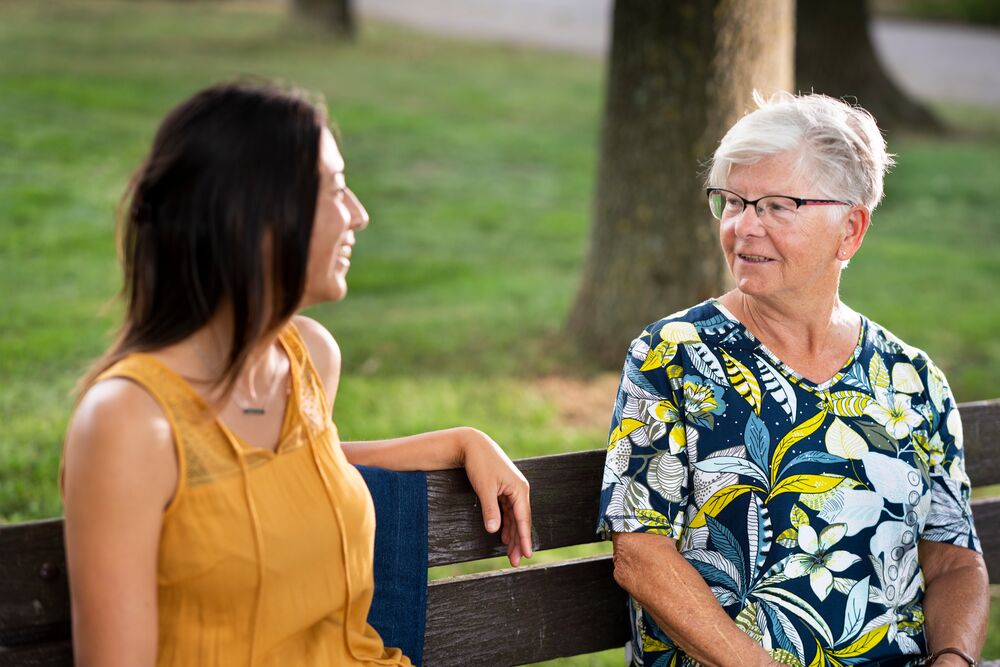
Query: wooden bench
{"type": "Point", "coordinates": [505, 617]}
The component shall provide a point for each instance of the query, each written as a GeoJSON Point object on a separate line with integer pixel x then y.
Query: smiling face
{"type": "Point", "coordinates": [339, 215]}
{"type": "Point", "coordinates": [798, 260]}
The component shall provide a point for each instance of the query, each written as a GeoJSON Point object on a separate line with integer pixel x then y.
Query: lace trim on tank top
{"type": "Point", "coordinates": [207, 449]}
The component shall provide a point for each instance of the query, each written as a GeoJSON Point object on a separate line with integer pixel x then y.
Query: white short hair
{"type": "Point", "coordinates": [840, 147]}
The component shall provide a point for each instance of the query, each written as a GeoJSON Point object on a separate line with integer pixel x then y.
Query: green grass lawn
{"type": "Point", "coordinates": [476, 163]}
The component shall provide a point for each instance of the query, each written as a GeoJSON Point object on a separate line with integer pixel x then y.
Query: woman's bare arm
{"type": "Point", "coordinates": [120, 473]}
{"type": "Point", "coordinates": [651, 569]}
{"type": "Point", "coordinates": [956, 598]}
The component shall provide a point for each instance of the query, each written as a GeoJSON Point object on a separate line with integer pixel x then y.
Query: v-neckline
{"type": "Point", "coordinates": [787, 370]}
{"type": "Point", "coordinates": [240, 444]}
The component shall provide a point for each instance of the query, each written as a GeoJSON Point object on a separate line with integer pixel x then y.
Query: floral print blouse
{"type": "Point", "coordinates": [800, 505]}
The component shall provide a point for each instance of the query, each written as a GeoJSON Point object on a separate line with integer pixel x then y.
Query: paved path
{"type": "Point", "coordinates": [932, 61]}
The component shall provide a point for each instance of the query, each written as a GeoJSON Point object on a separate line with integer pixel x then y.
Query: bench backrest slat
{"type": "Point", "coordinates": [34, 594]}
{"type": "Point", "coordinates": [987, 516]}
{"type": "Point", "coordinates": [981, 426]}
{"type": "Point", "coordinates": [564, 502]}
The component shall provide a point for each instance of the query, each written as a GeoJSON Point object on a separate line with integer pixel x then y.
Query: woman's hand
{"type": "Point", "coordinates": [502, 491]}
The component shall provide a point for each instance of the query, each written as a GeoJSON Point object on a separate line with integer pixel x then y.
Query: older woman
{"type": "Point", "coordinates": [785, 480]}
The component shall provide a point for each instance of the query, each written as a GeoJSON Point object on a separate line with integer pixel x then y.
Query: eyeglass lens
{"type": "Point", "coordinates": [725, 205]}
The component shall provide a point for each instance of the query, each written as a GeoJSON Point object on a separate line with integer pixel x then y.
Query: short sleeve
{"type": "Point", "coordinates": [950, 516]}
{"type": "Point", "coordinates": [645, 486]}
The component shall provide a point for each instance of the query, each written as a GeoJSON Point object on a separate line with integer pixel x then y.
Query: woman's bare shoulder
{"type": "Point", "coordinates": [119, 434]}
{"type": "Point", "coordinates": [323, 349]}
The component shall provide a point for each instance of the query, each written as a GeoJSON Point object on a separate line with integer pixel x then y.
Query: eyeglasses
{"type": "Point", "coordinates": [774, 209]}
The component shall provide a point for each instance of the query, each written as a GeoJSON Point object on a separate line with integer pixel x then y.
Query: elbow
{"type": "Point", "coordinates": [627, 565]}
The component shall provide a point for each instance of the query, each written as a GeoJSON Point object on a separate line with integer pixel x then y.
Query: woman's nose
{"type": "Point", "coordinates": [749, 222]}
{"type": "Point", "coordinates": [359, 216]}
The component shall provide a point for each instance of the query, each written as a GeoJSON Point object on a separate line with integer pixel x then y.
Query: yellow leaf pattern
{"type": "Point", "coordinates": [801, 431]}
{"type": "Point", "coordinates": [805, 484]}
{"type": "Point", "coordinates": [820, 659]}
{"type": "Point", "coordinates": [718, 502]}
{"type": "Point", "coordinates": [652, 519]}
{"type": "Point", "coordinates": [653, 644]}
{"type": "Point", "coordinates": [862, 644]}
{"type": "Point", "coordinates": [666, 411]}
{"type": "Point", "coordinates": [623, 430]}
{"type": "Point", "coordinates": [659, 356]}
{"type": "Point", "coordinates": [878, 373]}
{"type": "Point", "coordinates": [788, 538]}
{"type": "Point", "coordinates": [743, 381]}
{"type": "Point", "coordinates": [847, 403]}
{"type": "Point", "coordinates": [746, 621]}
{"type": "Point", "coordinates": [798, 517]}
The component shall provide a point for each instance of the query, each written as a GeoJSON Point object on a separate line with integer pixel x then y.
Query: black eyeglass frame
{"type": "Point", "coordinates": [799, 201]}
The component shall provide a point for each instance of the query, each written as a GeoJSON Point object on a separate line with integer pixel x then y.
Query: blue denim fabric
{"type": "Point", "coordinates": [399, 607]}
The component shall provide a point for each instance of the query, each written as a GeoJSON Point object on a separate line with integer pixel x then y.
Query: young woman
{"type": "Point", "coordinates": [213, 517]}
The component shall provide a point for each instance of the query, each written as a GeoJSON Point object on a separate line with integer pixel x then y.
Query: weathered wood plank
{"type": "Point", "coordinates": [34, 593]}
{"type": "Point", "coordinates": [531, 614]}
{"type": "Point", "coordinates": [55, 654]}
{"type": "Point", "coordinates": [981, 426]}
{"type": "Point", "coordinates": [987, 515]}
{"type": "Point", "coordinates": [564, 506]}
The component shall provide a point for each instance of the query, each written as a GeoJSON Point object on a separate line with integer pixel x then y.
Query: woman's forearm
{"type": "Point", "coordinates": [650, 568]}
{"type": "Point", "coordinates": [956, 608]}
{"type": "Point", "coordinates": [435, 450]}
{"type": "Point", "coordinates": [500, 487]}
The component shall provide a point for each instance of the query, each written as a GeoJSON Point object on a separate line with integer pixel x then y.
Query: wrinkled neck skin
{"type": "Point", "coordinates": [802, 328]}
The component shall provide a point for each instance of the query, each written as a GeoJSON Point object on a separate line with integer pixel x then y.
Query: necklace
{"type": "Point", "coordinates": [257, 410]}
{"type": "Point", "coordinates": [246, 406]}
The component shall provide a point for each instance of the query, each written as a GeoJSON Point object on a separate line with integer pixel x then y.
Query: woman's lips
{"type": "Point", "coordinates": [754, 259]}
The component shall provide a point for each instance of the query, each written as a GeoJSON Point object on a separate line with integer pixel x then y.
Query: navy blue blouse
{"type": "Point", "coordinates": [800, 505]}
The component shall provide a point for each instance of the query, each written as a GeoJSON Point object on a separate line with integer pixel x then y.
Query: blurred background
{"type": "Point", "coordinates": [475, 132]}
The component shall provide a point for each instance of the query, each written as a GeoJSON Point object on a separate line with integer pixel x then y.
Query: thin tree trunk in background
{"type": "Point", "coordinates": [680, 73]}
{"type": "Point", "coordinates": [834, 55]}
{"type": "Point", "coordinates": [334, 15]}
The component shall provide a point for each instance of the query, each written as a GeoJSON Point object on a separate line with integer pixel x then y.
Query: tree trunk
{"type": "Point", "coordinates": [834, 55]}
{"type": "Point", "coordinates": [336, 16]}
{"type": "Point", "coordinates": [680, 74]}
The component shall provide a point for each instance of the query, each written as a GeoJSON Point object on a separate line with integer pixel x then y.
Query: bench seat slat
{"type": "Point", "coordinates": [513, 617]}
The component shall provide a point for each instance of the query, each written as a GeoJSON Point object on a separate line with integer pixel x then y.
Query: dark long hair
{"type": "Point", "coordinates": [224, 201]}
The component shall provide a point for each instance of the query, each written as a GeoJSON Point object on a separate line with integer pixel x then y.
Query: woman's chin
{"type": "Point", "coordinates": [752, 286]}
{"type": "Point", "coordinates": [331, 294]}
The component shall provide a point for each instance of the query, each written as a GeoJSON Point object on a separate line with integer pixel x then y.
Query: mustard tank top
{"type": "Point", "coordinates": [265, 557]}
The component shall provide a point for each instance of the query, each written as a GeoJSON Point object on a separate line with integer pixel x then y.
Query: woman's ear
{"type": "Point", "coordinates": [855, 226]}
